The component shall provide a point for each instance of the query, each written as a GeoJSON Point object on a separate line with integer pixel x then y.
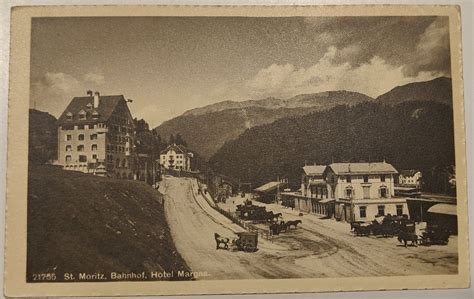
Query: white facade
{"type": "Point", "coordinates": [363, 191]}
{"type": "Point", "coordinates": [410, 178]}
{"type": "Point", "coordinates": [176, 157]}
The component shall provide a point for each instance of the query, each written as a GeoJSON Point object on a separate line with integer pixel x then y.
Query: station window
{"type": "Point", "coordinates": [82, 158]}
{"type": "Point", "coordinates": [94, 147]}
{"type": "Point", "coordinates": [382, 178]}
{"type": "Point", "coordinates": [68, 158]}
{"type": "Point", "coordinates": [68, 137]}
{"type": "Point", "coordinates": [363, 212]}
{"type": "Point", "coordinates": [80, 137]}
{"type": "Point", "coordinates": [80, 148]}
{"type": "Point", "coordinates": [381, 210]}
{"type": "Point", "coordinates": [93, 136]}
{"type": "Point", "coordinates": [399, 210]}
{"type": "Point", "coordinates": [348, 178]}
{"type": "Point", "coordinates": [94, 157]}
{"type": "Point", "coordinates": [366, 178]}
{"type": "Point", "coordinates": [68, 148]}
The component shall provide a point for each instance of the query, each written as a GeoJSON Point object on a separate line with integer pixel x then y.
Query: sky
{"type": "Point", "coordinates": [168, 65]}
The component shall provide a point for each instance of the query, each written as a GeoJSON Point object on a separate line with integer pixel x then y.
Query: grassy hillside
{"type": "Point", "coordinates": [82, 223]}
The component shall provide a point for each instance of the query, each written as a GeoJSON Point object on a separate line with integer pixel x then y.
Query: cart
{"type": "Point", "coordinates": [247, 241]}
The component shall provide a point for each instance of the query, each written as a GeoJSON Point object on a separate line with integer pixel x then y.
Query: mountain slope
{"type": "Point", "coordinates": [410, 135]}
{"type": "Point", "coordinates": [321, 100]}
{"type": "Point", "coordinates": [83, 223]}
{"type": "Point", "coordinates": [206, 129]}
{"type": "Point", "coordinates": [437, 90]}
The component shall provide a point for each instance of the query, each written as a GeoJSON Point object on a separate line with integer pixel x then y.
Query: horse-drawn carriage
{"type": "Point", "coordinates": [434, 234]}
{"type": "Point", "coordinates": [245, 241]}
{"type": "Point", "coordinates": [389, 226]}
{"type": "Point", "coordinates": [248, 211]}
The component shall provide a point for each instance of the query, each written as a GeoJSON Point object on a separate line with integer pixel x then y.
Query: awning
{"type": "Point", "coordinates": [269, 187]}
{"type": "Point", "coordinates": [443, 208]}
{"type": "Point", "coordinates": [326, 200]}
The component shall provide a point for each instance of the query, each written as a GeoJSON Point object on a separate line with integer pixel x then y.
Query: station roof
{"type": "Point", "coordinates": [269, 187]}
{"type": "Point", "coordinates": [314, 169]}
{"type": "Point", "coordinates": [363, 168]}
{"type": "Point", "coordinates": [442, 208]}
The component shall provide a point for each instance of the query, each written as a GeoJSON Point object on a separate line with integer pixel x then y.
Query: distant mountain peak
{"type": "Point", "coordinates": [299, 101]}
{"type": "Point", "coordinates": [437, 90]}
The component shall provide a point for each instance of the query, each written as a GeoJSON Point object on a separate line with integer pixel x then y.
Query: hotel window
{"type": "Point", "coordinates": [80, 148]}
{"type": "Point", "coordinates": [399, 210]}
{"type": "Point", "coordinates": [117, 163]}
{"type": "Point", "coordinates": [382, 178]}
{"type": "Point", "coordinates": [363, 211]}
{"type": "Point", "coordinates": [80, 137]}
{"type": "Point", "coordinates": [366, 178]}
{"type": "Point", "coordinates": [93, 136]}
{"type": "Point", "coordinates": [383, 192]}
{"type": "Point", "coordinates": [94, 147]}
{"type": "Point", "coordinates": [68, 137]}
{"type": "Point", "coordinates": [82, 115]}
{"type": "Point", "coordinates": [68, 158]}
{"type": "Point", "coordinates": [349, 193]}
{"type": "Point", "coordinates": [381, 210]}
{"type": "Point", "coordinates": [94, 157]}
{"type": "Point", "coordinates": [348, 178]}
{"type": "Point", "coordinates": [82, 158]}
{"type": "Point", "coordinates": [68, 148]}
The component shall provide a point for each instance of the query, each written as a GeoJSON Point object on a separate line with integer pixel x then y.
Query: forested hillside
{"type": "Point", "coordinates": [410, 135]}
{"type": "Point", "coordinates": [43, 137]}
{"type": "Point", "coordinates": [206, 129]}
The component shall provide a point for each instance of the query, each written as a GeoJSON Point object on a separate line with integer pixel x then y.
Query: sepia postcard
{"type": "Point", "coordinates": [176, 150]}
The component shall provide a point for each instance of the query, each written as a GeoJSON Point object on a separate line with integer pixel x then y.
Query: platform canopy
{"type": "Point", "coordinates": [269, 187]}
{"type": "Point", "coordinates": [443, 208]}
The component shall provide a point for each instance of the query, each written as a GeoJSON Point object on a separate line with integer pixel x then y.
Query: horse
{"type": "Point", "coordinates": [221, 240]}
{"type": "Point", "coordinates": [293, 223]}
{"type": "Point", "coordinates": [405, 237]}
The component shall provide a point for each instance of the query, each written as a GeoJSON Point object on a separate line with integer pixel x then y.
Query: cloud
{"type": "Point", "coordinates": [53, 91]}
{"type": "Point", "coordinates": [331, 72]}
{"type": "Point", "coordinates": [94, 78]}
{"type": "Point", "coordinates": [432, 50]}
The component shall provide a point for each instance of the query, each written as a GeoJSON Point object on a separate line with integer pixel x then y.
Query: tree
{"type": "Point", "coordinates": [179, 140]}
{"type": "Point", "coordinates": [171, 140]}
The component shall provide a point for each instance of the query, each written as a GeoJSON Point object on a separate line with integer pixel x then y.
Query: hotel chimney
{"type": "Point", "coordinates": [96, 99]}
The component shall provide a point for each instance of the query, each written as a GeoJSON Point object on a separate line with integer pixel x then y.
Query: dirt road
{"type": "Point", "coordinates": [319, 248]}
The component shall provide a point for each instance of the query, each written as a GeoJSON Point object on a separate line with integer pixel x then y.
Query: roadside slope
{"type": "Point", "coordinates": [83, 223]}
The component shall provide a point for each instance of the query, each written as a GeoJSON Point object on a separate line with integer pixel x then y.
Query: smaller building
{"type": "Point", "coordinates": [270, 191]}
{"type": "Point", "coordinates": [176, 157]}
{"type": "Point", "coordinates": [410, 178]}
